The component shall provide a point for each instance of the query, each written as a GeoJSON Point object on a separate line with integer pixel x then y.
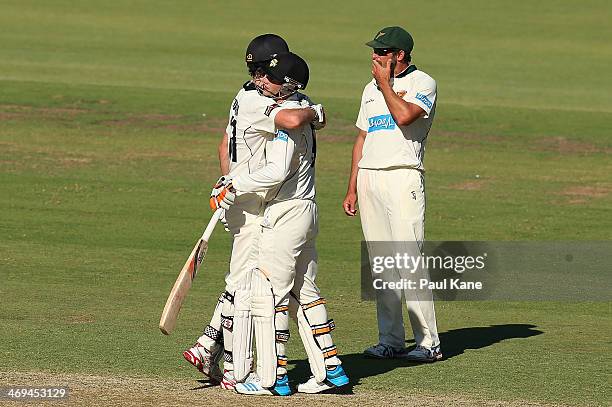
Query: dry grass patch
{"type": "Point", "coordinates": [90, 390]}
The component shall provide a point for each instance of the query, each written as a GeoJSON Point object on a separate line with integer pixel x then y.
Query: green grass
{"type": "Point", "coordinates": [106, 161]}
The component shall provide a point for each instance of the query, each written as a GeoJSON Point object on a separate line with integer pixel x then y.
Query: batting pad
{"type": "Point", "coordinates": [263, 312]}
{"type": "Point", "coordinates": [242, 329]}
{"type": "Point", "coordinates": [315, 330]}
{"type": "Point", "coordinates": [315, 356]}
{"type": "Point", "coordinates": [227, 323]}
{"type": "Point", "coordinates": [212, 337]}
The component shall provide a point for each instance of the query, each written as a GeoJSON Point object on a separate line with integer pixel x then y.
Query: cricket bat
{"type": "Point", "coordinates": [185, 278]}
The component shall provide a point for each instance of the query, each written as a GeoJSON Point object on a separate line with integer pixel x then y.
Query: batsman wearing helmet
{"type": "Point", "coordinates": [388, 177]}
{"type": "Point", "coordinates": [241, 151]}
{"type": "Point", "coordinates": [283, 283]}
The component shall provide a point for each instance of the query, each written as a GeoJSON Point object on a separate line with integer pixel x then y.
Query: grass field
{"type": "Point", "coordinates": [109, 119]}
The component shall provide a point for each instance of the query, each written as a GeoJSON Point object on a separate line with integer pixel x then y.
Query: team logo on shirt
{"type": "Point", "coordinates": [281, 135]}
{"type": "Point", "coordinates": [424, 99]}
{"type": "Point", "coordinates": [382, 122]}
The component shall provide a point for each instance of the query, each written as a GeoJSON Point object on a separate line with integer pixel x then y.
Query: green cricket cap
{"type": "Point", "coordinates": [392, 37]}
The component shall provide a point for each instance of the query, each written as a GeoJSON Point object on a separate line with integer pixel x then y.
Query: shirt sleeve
{"type": "Point", "coordinates": [233, 111]}
{"type": "Point", "coordinates": [423, 94]}
{"type": "Point", "coordinates": [264, 118]}
{"type": "Point", "coordinates": [279, 152]}
{"type": "Point", "coordinates": [362, 118]}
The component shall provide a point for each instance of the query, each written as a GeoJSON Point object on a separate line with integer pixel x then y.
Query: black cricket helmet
{"type": "Point", "coordinates": [262, 48]}
{"type": "Point", "coordinates": [290, 70]}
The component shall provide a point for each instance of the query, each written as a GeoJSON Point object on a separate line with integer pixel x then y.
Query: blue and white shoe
{"type": "Point", "coordinates": [254, 387]}
{"type": "Point", "coordinates": [384, 351]}
{"type": "Point", "coordinates": [422, 354]}
{"type": "Point", "coordinates": [335, 378]}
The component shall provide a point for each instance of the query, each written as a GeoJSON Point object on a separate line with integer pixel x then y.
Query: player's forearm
{"type": "Point", "coordinates": [278, 156]}
{"type": "Point", "coordinates": [293, 118]}
{"type": "Point", "coordinates": [223, 156]}
{"type": "Point", "coordinates": [403, 113]}
{"type": "Point", "coordinates": [262, 180]}
{"type": "Point", "coordinates": [357, 154]}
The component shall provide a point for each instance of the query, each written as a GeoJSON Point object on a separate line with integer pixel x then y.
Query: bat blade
{"type": "Point", "coordinates": [185, 278]}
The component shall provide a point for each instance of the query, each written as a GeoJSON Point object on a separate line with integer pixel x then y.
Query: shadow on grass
{"type": "Point", "coordinates": [454, 343]}
{"type": "Point", "coordinates": [205, 384]}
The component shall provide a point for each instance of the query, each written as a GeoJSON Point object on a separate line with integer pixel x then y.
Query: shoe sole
{"type": "Point", "coordinates": [327, 389]}
{"type": "Point", "coordinates": [315, 391]}
{"type": "Point", "coordinates": [372, 356]}
{"type": "Point", "coordinates": [419, 360]}
{"type": "Point", "coordinates": [254, 393]}
{"type": "Point", "coordinates": [227, 386]}
{"type": "Point", "coordinates": [260, 393]}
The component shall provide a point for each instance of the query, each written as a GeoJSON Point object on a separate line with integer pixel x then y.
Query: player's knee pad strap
{"type": "Point", "coordinates": [213, 334]}
{"type": "Point", "coordinates": [263, 312]}
{"type": "Point", "coordinates": [329, 352]}
{"type": "Point", "coordinates": [322, 329]}
{"type": "Point", "coordinates": [282, 335]}
{"type": "Point", "coordinates": [228, 356]}
{"type": "Point", "coordinates": [227, 312]}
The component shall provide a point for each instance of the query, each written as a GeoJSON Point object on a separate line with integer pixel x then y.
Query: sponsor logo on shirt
{"type": "Point", "coordinates": [281, 135]}
{"type": "Point", "coordinates": [401, 93]}
{"type": "Point", "coordinates": [424, 99]}
{"type": "Point", "coordinates": [368, 101]}
{"type": "Point", "coordinates": [270, 108]}
{"type": "Point", "coordinates": [382, 122]}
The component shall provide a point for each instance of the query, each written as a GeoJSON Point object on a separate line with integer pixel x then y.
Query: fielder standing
{"type": "Point", "coordinates": [387, 176]}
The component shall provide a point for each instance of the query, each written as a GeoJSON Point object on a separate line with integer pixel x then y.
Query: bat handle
{"type": "Point", "coordinates": [211, 225]}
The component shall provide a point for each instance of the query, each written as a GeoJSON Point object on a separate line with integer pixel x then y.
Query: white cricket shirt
{"type": "Point", "coordinates": [388, 145]}
{"type": "Point", "coordinates": [247, 125]}
{"type": "Point", "coordinates": [288, 168]}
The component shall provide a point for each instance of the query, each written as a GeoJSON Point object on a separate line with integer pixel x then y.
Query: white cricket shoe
{"type": "Point", "coordinates": [253, 387]}
{"type": "Point", "coordinates": [335, 378]}
{"type": "Point", "coordinates": [205, 361]}
{"type": "Point", "coordinates": [425, 355]}
{"type": "Point", "coordinates": [384, 351]}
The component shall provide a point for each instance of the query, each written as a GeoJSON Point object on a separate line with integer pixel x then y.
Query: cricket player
{"type": "Point", "coordinates": [241, 151]}
{"type": "Point", "coordinates": [284, 281]}
{"type": "Point", "coordinates": [387, 175]}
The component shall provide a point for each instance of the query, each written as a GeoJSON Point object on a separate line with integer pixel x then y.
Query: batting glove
{"type": "Point", "coordinates": [224, 198]}
{"type": "Point", "coordinates": [304, 100]}
{"type": "Point", "coordinates": [223, 221]}
{"type": "Point", "coordinates": [221, 182]}
{"type": "Point", "coordinates": [319, 121]}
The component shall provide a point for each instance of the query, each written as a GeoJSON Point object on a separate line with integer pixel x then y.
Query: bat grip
{"type": "Point", "coordinates": [211, 225]}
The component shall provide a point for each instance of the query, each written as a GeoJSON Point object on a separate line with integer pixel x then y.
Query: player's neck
{"type": "Point", "coordinates": [400, 68]}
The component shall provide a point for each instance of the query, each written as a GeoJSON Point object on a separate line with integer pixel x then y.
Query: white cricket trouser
{"type": "Point", "coordinates": [288, 257]}
{"type": "Point", "coordinates": [392, 208]}
{"type": "Point", "coordinates": [244, 221]}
